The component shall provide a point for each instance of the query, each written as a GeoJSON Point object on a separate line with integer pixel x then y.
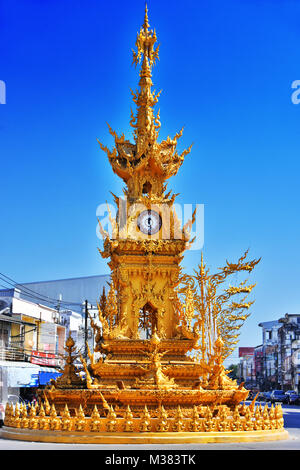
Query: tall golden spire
{"type": "Point", "coordinates": [145, 124]}
{"type": "Point", "coordinates": [131, 160]}
{"type": "Point", "coordinates": [145, 43]}
{"type": "Point", "coordinates": [146, 22]}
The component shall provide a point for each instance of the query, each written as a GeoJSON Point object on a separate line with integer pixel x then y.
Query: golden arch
{"type": "Point", "coordinates": [148, 320]}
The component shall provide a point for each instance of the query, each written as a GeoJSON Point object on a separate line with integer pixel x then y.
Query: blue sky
{"type": "Point", "coordinates": [226, 70]}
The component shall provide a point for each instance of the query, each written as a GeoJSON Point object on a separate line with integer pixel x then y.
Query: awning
{"type": "Point", "coordinates": [24, 374]}
{"type": "Point", "coordinates": [46, 374]}
{"type": "Point", "coordinates": [21, 374]}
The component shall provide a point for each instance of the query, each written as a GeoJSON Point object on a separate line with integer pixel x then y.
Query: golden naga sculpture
{"type": "Point", "coordinates": [161, 336]}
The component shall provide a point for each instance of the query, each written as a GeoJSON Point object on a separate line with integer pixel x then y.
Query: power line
{"type": "Point", "coordinates": [35, 297]}
{"type": "Point", "coordinates": [16, 284]}
{"type": "Point", "coordinates": [36, 294]}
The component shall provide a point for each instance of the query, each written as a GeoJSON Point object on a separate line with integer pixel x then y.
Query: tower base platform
{"type": "Point", "coordinates": [34, 435]}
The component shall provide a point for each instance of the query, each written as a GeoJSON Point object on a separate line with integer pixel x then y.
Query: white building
{"type": "Point", "coordinates": [31, 344]}
{"type": "Point", "coordinates": [35, 320]}
{"type": "Point", "coordinates": [289, 343]}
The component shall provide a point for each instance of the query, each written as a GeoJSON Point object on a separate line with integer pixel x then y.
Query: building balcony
{"type": "Point", "coordinates": [20, 354]}
{"type": "Point", "coordinates": [9, 353]}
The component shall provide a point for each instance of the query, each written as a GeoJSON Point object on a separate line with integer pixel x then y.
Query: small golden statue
{"type": "Point", "coordinates": [69, 377]}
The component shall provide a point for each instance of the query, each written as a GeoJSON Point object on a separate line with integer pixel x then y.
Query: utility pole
{"type": "Point", "coordinates": [85, 329]}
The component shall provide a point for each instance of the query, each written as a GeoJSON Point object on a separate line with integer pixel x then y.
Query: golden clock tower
{"type": "Point", "coordinates": [145, 382]}
{"type": "Point", "coordinates": [147, 244]}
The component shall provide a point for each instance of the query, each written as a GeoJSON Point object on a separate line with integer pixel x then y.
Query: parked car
{"type": "Point", "coordinates": [292, 397]}
{"type": "Point", "coordinates": [10, 399]}
{"type": "Point", "coordinates": [267, 396]}
{"type": "Point", "coordinates": [278, 396]}
{"type": "Point", "coordinates": [2, 414]}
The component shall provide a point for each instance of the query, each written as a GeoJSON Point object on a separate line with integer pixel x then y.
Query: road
{"type": "Point", "coordinates": [292, 424]}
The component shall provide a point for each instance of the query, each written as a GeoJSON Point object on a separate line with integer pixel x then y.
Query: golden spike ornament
{"type": "Point", "coordinates": [179, 424]}
{"type": "Point", "coordinates": [95, 420]}
{"type": "Point", "coordinates": [80, 422]}
{"type": "Point", "coordinates": [145, 421]}
{"type": "Point", "coordinates": [55, 422]}
{"type": "Point", "coordinates": [128, 420]}
{"type": "Point", "coordinates": [163, 424]}
{"type": "Point", "coordinates": [66, 420]}
{"type": "Point", "coordinates": [111, 420]}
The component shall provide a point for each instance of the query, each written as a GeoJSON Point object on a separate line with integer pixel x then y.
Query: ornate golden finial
{"type": "Point", "coordinates": [189, 307]}
{"type": "Point", "coordinates": [145, 42]}
{"type": "Point", "coordinates": [196, 422]}
{"type": "Point", "coordinates": [146, 421]}
{"type": "Point", "coordinates": [178, 423]}
{"type": "Point", "coordinates": [258, 418]}
{"type": "Point", "coordinates": [12, 412]}
{"type": "Point", "coordinates": [265, 418]}
{"type": "Point", "coordinates": [47, 406]}
{"type": "Point", "coordinates": [236, 424]}
{"type": "Point", "coordinates": [146, 21]}
{"type": "Point", "coordinates": [80, 419]}
{"type": "Point", "coordinates": [208, 422]}
{"type": "Point", "coordinates": [128, 420]}
{"type": "Point", "coordinates": [279, 416]}
{"type": "Point", "coordinates": [8, 414]}
{"type": "Point", "coordinates": [66, 420]}
{"type": "Point", "coordinates": [22, 408]}
{"type": "Point", "coordinates": [43, 420]}
{"type": "Point", "coordinates": [163, 424]}
{"type": "Point", "coordinates": [24, 420]}
{"type": "Point", "coordinates": [202, 266]}
{"type": "Point", "coordinates": [42, 410]}
{"type": "Point", "coordinates": [248, 423]}
{"type": "Point", "coordinates": [17, 419]}
{"type": "Point", "coordinates": [55, 422]}
{"type": "Point", "coordinates": [243, 409]}
{"type": "Point", "coordinates": [103, 300]}
{"type": "Point", "coordinates": [222, 423]}
{"type": "Point", "coordinates": [111, 423]}
{"type": "Point", "coordinates": [33, 421]}
{"type": "Point", "coordinates": [95, 420]}
{"type": "Point", "coordinates": [272, 417]}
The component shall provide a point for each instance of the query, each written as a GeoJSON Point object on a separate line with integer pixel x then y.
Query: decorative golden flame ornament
{"type": "Point", "coordinates": [156, 373]}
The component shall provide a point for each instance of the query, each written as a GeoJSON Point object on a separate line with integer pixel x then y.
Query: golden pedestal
{"type": "Point", "coordinates": [142, 438]}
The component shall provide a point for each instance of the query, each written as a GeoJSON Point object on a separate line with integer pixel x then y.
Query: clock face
{"type": "Point", "coordinates": [149, 222]}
